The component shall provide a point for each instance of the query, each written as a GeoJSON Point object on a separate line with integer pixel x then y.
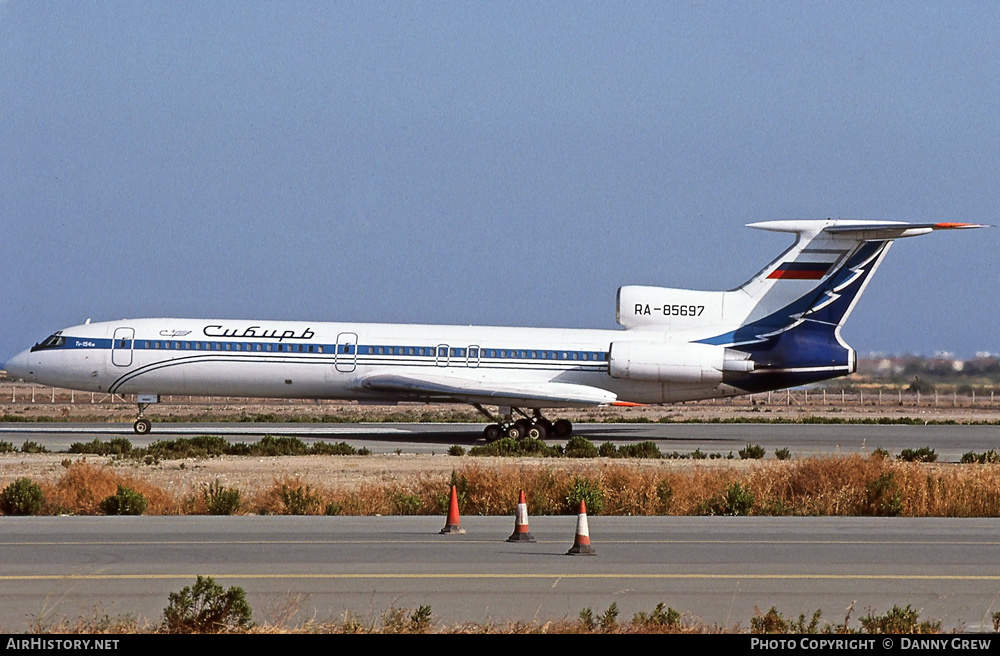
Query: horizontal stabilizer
{"type": "Point", "coordinates": [894, 230]}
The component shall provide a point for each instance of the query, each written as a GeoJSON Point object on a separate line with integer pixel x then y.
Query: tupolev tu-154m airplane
{"type": "Point", "coordinates": [780, 329]}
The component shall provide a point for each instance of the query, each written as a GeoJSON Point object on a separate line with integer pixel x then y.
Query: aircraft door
{"type": "Point", "coordinates": [346, 357]}
{"type": "Point", "coordinates": [121, 347]}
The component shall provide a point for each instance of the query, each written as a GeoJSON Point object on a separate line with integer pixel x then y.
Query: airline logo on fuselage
{"type": "Point", "coordinates": [174, 333]}
{"type": "Point", "coordinates": [217, 330]}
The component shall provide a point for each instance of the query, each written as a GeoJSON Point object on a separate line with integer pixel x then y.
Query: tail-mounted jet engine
{"type": "Point", "coordinates": [676, 363]}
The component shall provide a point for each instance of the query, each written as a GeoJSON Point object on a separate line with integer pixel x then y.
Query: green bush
{"type": "Point", "coordinates": [646, 449]}
{"type": "Point", "coordinates": [407, 504]}
{"type": "Point", "coordinates": [22, 497]}
{"type": "Point", "coordinates": [94, 447]}
{"type": "Point", "coordinates": [783, 454]}
{"type": "Point", "coordinates": [738, 500]}
{"type": "Point", "coordinates": [279, 446]}
{"type": "Point", "coordinates": [327, 449]}
{"type": "Point", "coordinates": [752, 452]}
{"type": "Point", "coordinates": [898, 620]}
{"type": "Point", "coordinates": [207, 608]}
{"type": "Point", "coordinates": [456, 450]}
{"type": "Point", "coordinates": [882, 496]}
{"type": "Point", "coordinates": [506, 446]}
{"type": "Point", "coordinates": [298, 500]}
{"type": "Point", "coordinates": [990, 457]}
{"type": "Point", "coordinates": [665, 493]}
{"type": "Point", "coordinates": [580, 447]}
{"type": "Point", "coordinates": [774, 622]}
{"type": "Point", "coordinates": [220, 500]}
{"type": "Point", "coordinates": [6, 447]}
{"type": "Point", "coordinates": [125, 501]}
{"type": "Point", "coordinates": [923, 454]}
{"type": "Point", "coordinates": [735, 501]}
{"type": "Point", "coordinates": [202, 446]}
{"type": "Point", "coordinates": [586, 490]}
{"type": "Point", "coordinates": [661, 617]}
{"type": "Point", "coordinates": [33, 447]}
{"type": "Point", "coordinates": [117, 446]}
{"type": "Point", "coordinates": [607, 450]}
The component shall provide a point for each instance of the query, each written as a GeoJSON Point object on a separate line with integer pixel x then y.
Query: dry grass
{"type": "Point", "coordinates": [844, 486]}
{"type": "Point", "coordinates": [83, 486]}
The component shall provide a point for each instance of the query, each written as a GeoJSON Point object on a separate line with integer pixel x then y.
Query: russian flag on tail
{"type": "Point", "coordinates": [801, 271]}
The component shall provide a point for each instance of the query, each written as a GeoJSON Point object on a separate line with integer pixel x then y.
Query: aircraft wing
{"type": "Point", "coordinates": [423, 387]}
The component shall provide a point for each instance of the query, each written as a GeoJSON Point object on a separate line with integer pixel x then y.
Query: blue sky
{"type": "Point", "coordinates": [505, 163]}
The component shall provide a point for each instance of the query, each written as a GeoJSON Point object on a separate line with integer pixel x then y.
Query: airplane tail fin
{"type": "Point", "coordinates": [798, 303]}
{"type": "Point", "coordinates": [787, 318]}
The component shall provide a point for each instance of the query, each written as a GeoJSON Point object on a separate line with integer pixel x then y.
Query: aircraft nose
{"type": "Point", "coordinates": [17, 366]}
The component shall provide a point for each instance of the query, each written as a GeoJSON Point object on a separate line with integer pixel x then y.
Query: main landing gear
{"type": "Point", "coordinates": [142, 426]}
{"type": "Point", "coordinates": [535, 426]}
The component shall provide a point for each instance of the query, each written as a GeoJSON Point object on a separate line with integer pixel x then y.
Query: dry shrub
{"type": "Point", "coordinates": [846, 486]}
{"type": "Point", "coordinates": [693, 488]}
{"type": "Point", "coordinates": [859, 486]}
{"type": "Point", "coordinates": [950, 490]}
{"type": "Point", "coordinates": [82, 488]}
{"type": "Point", "coordinates": [495, 491]}
{"type": "Point", "coordinates": [820, 486]}
{"type": "Point", "coordinates": [291, 496]}
{"type": "Point", "coordinates": [627, 489]}
{"type": "Point", "coordinates": [369, 499]}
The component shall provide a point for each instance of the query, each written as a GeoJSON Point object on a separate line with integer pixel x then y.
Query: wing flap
{"type": "Point", "coordinates": [469, 390]}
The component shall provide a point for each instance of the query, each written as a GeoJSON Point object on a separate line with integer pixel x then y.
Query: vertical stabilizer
{"type": "Point", "coordinates": [788, 317]}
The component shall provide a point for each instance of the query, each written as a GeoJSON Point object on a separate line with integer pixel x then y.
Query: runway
{"type": "Point", "coordinates": [713, 570]}
{"type": "Point", "coordinates": [802, 440]}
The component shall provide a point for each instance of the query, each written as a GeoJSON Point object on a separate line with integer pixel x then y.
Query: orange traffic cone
{"type": "Point", "coordinates": [581, 546]}
{"type": "Point", "coordinates": [521, 533]}
{"type": "Point", "coordinates": [451, 526]}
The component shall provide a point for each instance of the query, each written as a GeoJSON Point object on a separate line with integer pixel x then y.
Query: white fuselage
{"type": "Point", "coordinates": [332, 360]}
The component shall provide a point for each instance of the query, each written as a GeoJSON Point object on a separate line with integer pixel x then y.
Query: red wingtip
{"type": "Point", "coordinates": [946, 225]}
{"type": "Point", "coordinates": [627, 404]}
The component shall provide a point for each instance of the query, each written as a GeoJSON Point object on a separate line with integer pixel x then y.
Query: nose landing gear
{"type": "Point", "coordinates": [143, 426]}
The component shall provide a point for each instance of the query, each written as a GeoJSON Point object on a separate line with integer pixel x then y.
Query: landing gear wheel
{"type": "Point", "coordinates": [142, 426]}
{"type": "Point", "coordinates": [514, 432]}
{"type": "Point", "coordinates": [562, 428]}
{"type": "Point", "coordinates": [537, 431]}
{"type": "Point", "coordinates": [492, 433]}
{"type": "Point", "coordinates": [524, 425]}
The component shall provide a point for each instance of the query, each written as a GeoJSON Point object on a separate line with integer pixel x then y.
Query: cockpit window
{"type": "Point", "coordinates": [53, 341]}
